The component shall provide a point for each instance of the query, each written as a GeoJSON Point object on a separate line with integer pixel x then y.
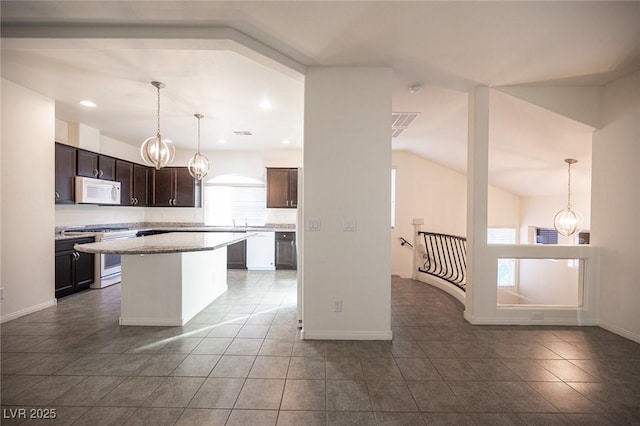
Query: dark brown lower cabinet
{"type": "Point", "coordinates": [286, 250]}
{"type": "Point", "coordinates": [75, 271]}
{"type": "Point", "coordinates": [237, 255]}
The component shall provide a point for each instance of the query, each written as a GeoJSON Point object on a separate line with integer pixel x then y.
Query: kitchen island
{"type": "Point", "coordinates": [168, 278]}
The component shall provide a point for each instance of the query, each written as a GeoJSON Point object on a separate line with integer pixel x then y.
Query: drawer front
{"type": "Point", "coordinates": [285, 236]}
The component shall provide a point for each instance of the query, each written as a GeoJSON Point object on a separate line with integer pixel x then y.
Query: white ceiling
{"type": "Point", "coordinates": [449, 47]}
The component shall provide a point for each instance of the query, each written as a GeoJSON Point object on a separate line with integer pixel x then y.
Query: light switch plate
{"type": "Point", "coordinates": [313, 224]}
{"type": "Point", "coordinates": [349, 225]}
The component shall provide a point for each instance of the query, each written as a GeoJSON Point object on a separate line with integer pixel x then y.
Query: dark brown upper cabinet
{"type": "Point", "coordinates": [134, 183]}
{"type": "Point", "coordinates": [175, 187]}
{"type": "Point", "coordinates": [124, 175]}
{"type": "Point", "coordinates": [141, 185]}
{"type": "Point", "coordinates": [282, 187]}
{"type": "Point", "coordinates": [91, 164]}
{"type": "Point", "coordinates": [65, 159]}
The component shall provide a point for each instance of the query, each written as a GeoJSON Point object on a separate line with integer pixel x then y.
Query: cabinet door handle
{"type": "Point", "coordinates": [132, 202]}
{"type": "Point", "coordinates": [57, 195]}
{"type": "Point", "coordinates": [76, 256]}
{"type": "Point", "coordinates": [101, 173]}
{"type": "Point", "coordinates": [135, 201]}
{"type": "Point", "coordinates": [96, 172]}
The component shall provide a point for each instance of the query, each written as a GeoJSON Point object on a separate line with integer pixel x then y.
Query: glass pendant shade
{"type": "Point", "coordinates": [567, 221]}
{"type": "Point", "coordinates": [198, 164]}
{"type": "Point", "coordinates": [155, 151]}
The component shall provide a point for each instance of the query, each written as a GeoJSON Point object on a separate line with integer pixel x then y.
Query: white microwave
{"type": "Point", "coordinates": [96, 191]}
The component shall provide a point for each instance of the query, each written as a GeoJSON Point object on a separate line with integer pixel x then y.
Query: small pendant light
{"type": "Point", "coordinates": [155, 151]}
{"type": "Point", "coordinates": [198, 164]}
{"type": "Point", "coordinates": [567, 221]}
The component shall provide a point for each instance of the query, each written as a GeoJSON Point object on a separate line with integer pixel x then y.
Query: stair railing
{"type": "Point", "coordinates": [404, 242]}
{"type": "Point", "coordinates": [444, 256]}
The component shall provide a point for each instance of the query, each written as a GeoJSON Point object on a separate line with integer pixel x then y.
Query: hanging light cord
{"type": "Point", "coordinates": [158, 110]}
{"type": "Point", "coordinates": [198, 135]}
{"type": "Point", "coordinates": [569, 189]}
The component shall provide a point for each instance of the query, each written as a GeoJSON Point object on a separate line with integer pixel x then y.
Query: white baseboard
{"type": "Point", "coordinates": [345, 335]}
{"type": "Point", "coordinates": [620, 331]}
{"type": "Point", "coordinates": [528, 321]}
{"type": "Point", "coordinates": [166, 322]}
{"type": "Point", "coordinates": [28, 310]}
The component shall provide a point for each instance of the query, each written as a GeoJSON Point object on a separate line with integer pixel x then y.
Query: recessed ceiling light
{"type": "Point", "coordinates": [415, 88]}
{"type": "Point", "coordinates": [265, 104]}
{"type": "Point", "coordinates": [221, 141]}
{"type": "Point", "coordinates": [286, 142]}
{"type": "Point", "coordinates": [88, 104]}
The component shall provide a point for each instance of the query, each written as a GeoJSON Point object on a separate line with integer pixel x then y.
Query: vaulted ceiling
{"type": "Point", "coordinates": [109, 51]}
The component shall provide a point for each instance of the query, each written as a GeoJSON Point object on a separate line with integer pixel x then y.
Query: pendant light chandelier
{"type": "Point", "coordinates": [567, 221]}
{"type": "Point", "coordinates": [198, 164]}
{"type": "Point", "coordinates": [155, 151]}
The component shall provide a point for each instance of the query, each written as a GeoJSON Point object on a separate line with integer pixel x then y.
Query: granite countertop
{"type": "Point", "coordinates": [71, 232]}
{"type": "Point", "coordinates": [250, 228]}
{"type": "Point", "coordinates": [174, 242]}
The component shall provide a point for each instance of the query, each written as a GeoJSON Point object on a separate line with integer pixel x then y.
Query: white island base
{"type": "Point", "coordinates": [169, 289]}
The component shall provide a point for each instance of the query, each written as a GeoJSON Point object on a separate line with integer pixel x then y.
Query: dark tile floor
{"type": "Point", "coordinates": [240, 362]}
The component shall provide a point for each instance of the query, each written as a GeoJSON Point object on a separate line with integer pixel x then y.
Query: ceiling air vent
{"type": "Point", "coordinates": [400, 121]}
{"type": "Point", "coordinates": [242, 133]}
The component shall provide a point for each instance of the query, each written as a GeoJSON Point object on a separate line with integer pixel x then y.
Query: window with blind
{"type": "Point", "coordinates": [224, 204]}
{"type": "Point", "coordinates": [506, 267]}
{"type": "Point", "coordinates": [546, 236]}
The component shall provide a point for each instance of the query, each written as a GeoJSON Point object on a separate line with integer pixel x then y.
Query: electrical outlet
{"type": "Point", "coordinates": [337, 305]}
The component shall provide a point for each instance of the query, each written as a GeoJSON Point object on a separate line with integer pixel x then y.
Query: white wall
{"type": "Point", "coordinates": [437, 194]}
{"type": "Point", "coordinates": [27, 201]}
{"type": "Point", "coordinates": [615, 206]}
{"type": "Point", "coordinates": [347, 163]}
{"type": "Point", "coordinates": [503, 210]}
{"type": "Point", "coordinates": [549, 282]}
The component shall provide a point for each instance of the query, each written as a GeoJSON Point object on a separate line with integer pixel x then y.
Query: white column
{"type": "Point", "coordinates": [481, 292]}
{"type": "Point", "coordinates": [347, 199]}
